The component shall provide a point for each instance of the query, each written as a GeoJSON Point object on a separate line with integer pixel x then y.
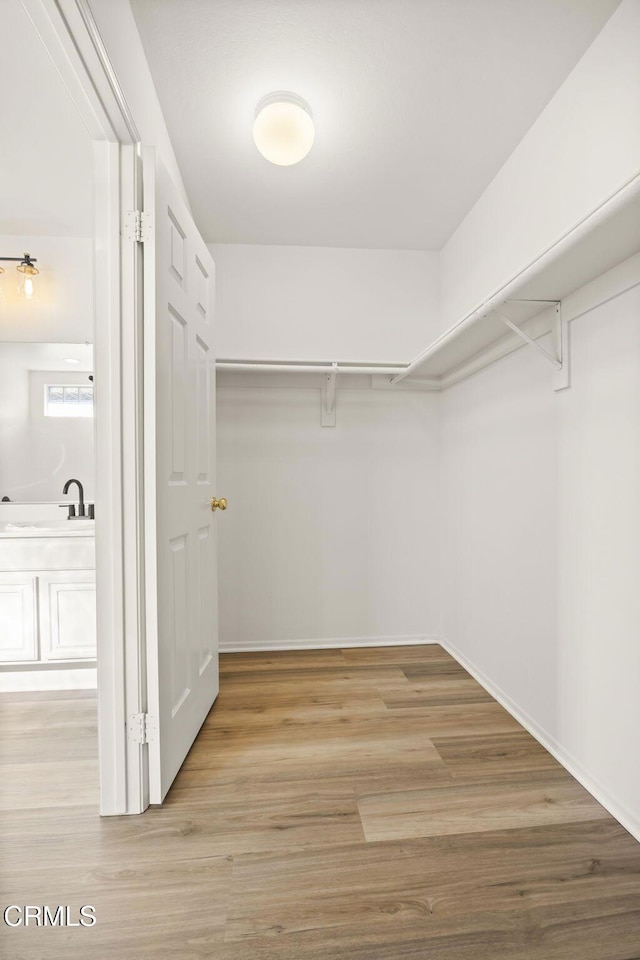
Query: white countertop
{"type": "Point", "coordinates": [76, 527]}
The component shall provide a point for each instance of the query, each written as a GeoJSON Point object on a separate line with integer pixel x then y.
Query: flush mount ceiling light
{"type": "Point", "coordinates": [27, 272]}
{"type": "Point", "coordinates": [283, 129]}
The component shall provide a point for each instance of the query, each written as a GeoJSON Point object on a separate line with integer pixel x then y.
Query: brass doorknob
{"type": "Point", "coordinates": [218, 504]}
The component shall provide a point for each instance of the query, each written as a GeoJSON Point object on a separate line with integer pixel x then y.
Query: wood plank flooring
{"type": "Point", "coordinates": [367, 804]}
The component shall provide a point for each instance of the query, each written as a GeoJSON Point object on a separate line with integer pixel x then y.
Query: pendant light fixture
{"type": "Point", "coordinates": [27, 271]}
{"type": "Point", "coordinates": [283, 130]}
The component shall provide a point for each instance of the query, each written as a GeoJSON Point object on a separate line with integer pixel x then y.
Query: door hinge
{"type": "Point", "coordinates": [141, 728]}
{"type": "Point", "coordinates": [137, 226]}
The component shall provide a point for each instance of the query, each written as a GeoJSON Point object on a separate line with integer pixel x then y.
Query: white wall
{"type": "Point", "coordinates": [541, 547]}
{"type": "Point", "coordinates": [584, 146]}
{"type": "Point", "coordinates": [39, 454]}
{"type": "Point", "coordinates": [331, 533]}
{"type": "Point", "coordinates": [322, 303]}
{"type": "Point", "coordinates": [62, 310]}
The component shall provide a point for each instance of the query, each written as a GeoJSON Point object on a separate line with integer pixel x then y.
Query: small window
{"type": "Point", "coordinates": [68, 401]}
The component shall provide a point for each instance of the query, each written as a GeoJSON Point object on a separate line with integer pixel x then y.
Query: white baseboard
{"type": "Point", "coordinates": [19, 681]}
{"type": "Point", "coordinates": [628, 820]}
{"type": "Point", "coordinates": [330, 644]}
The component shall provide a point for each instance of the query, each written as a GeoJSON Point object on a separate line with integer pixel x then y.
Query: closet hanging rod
{"type": "Point", "coordinates": [271, 366]}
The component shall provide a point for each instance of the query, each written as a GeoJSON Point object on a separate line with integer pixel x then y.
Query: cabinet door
{"type": "Point", "coordinates": [18, 634]}
{"type": "Point", "coordinates": [68, 615]}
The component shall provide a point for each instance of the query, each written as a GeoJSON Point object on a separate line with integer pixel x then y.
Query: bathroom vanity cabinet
{"type": "Point", "coordinates": [47, 602]}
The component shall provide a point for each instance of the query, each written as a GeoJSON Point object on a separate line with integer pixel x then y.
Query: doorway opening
{"type": "Point", "coordinates": [48, 392]}
{"type": "Point", "coordinates": [75, 175]}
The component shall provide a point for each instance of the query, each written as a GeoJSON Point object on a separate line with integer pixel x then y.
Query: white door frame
{"type": "Point", "coordinates": [72, 40]}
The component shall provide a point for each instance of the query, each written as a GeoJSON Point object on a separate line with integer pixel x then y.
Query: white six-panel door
{"type": "Point", "coordinates": [180, 535]}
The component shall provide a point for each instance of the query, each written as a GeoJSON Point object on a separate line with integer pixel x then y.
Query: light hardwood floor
{"type": "Point", "coordinates": [338, 805]}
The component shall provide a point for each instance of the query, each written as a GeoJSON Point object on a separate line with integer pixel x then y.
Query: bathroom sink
{"type": "Point", "coordinates": [78, 523]}
{"type": "Point", "coordinates": [34, 527]}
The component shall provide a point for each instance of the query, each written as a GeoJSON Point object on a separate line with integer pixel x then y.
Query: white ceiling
{"type": "Point", "coordinates": [417, 104]}
{"type": "Point", "coordinates": [49, 356]}
{"type": "Point", "coordinates": [45, 149]}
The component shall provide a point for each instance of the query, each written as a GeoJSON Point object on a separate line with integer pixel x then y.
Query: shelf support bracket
{"type": "Point", "coordinates": [562, 378]}
{"type": "Point", "coordinates": [329, 397]}
{"type": "Point", "coordinates": [559, 359]}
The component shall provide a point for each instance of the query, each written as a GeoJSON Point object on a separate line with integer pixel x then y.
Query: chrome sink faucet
{"type": "Point", "coordinates": [72, 508]}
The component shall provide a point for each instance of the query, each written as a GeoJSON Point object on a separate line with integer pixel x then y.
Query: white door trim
{"type": "Point", "coordinates": [72, 40]}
